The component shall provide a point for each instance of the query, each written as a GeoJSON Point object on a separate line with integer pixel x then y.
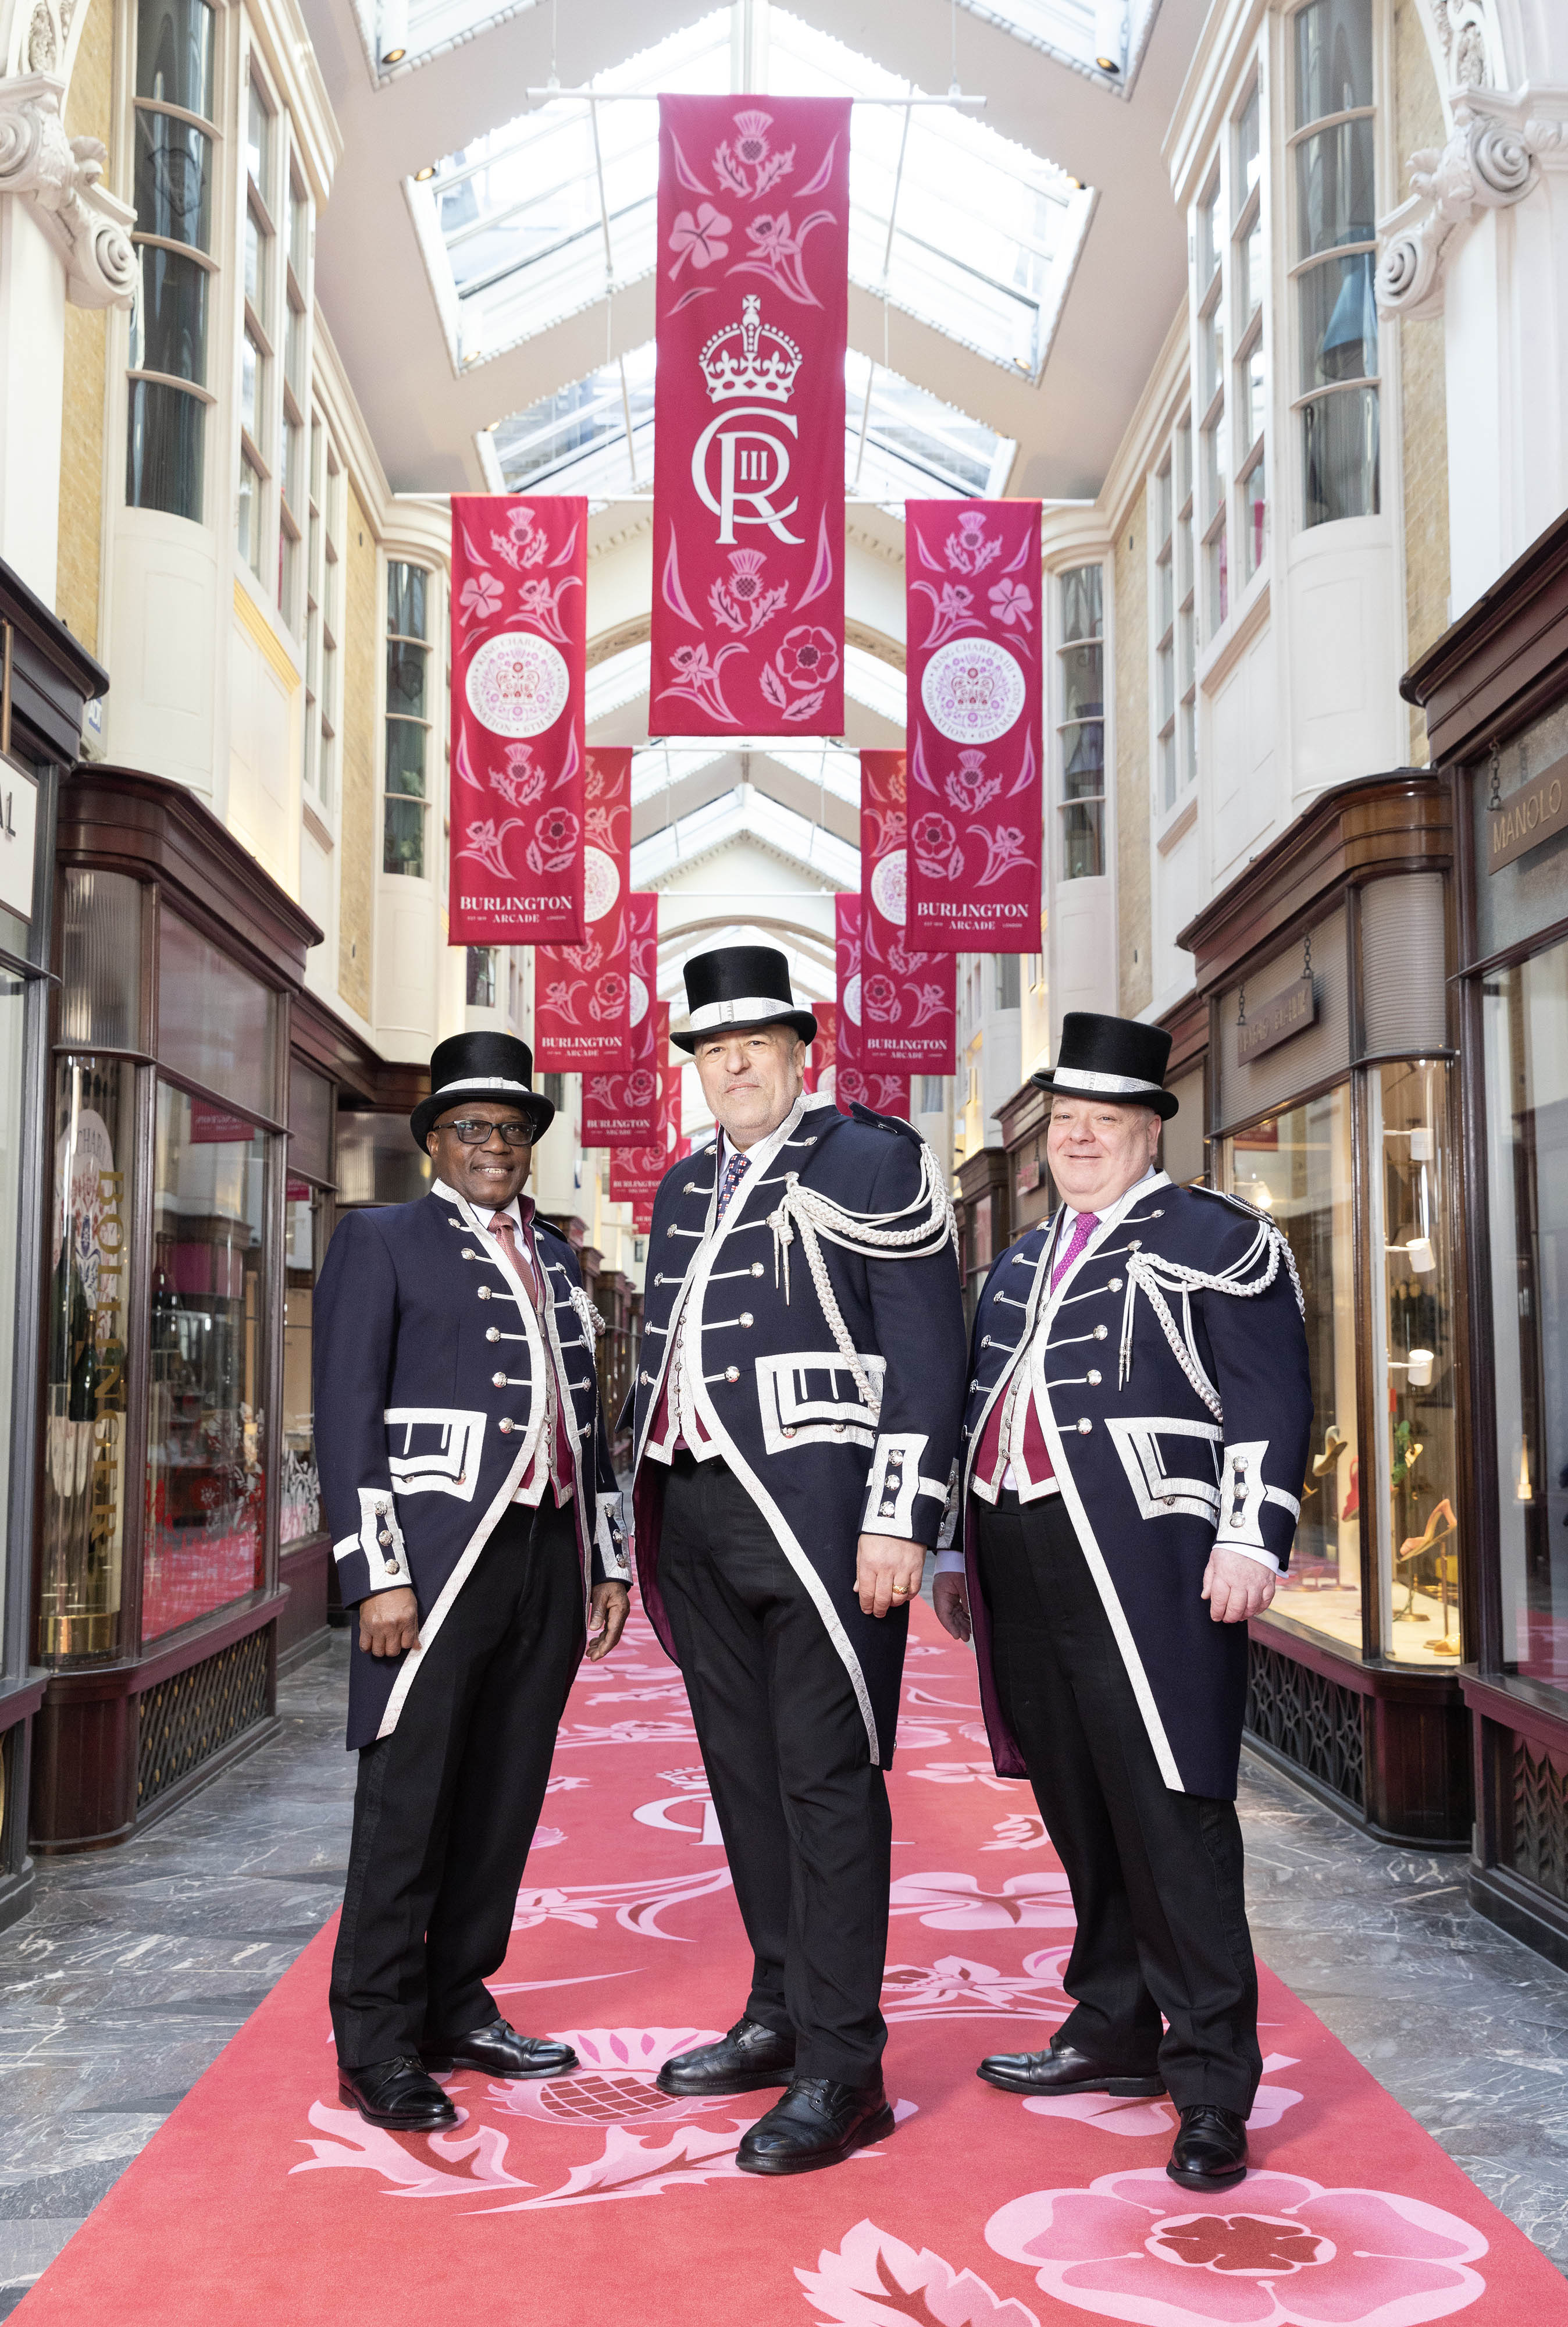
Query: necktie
{"type": "Point", "coordinates": [1083, 1228]}
{"type": "Point", "coordinates": [734, 1171]}
{"type": "Point", "coordinates": [506, 1235]}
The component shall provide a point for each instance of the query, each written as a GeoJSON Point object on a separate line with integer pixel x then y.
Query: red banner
{"type": "Point", "coordinates": [909, 1001]}
{"type": "Point", "coordinates": [620, 1106]}
{"type": "Point", "coordinates": [749, 425]}
{"type": "Point", "coordinates": [976, 751]}
{"type": "Point", "coordinates": [519, 573]}
{"type": "Point", "coordinates": [583, 994]}
{"type": "Point", "coordinates": [635, 1172]}
{"type": "Point", "coordinates": [888, 1093]}
{"type": "Point", "coordinates": [821, 1055]}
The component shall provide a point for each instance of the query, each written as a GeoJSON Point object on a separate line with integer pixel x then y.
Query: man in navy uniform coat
{"type": "Point", "coordinates": [466, 1475]}
{"type": "Point", "coordinates": [797, 1415]}
{"type": "Point", "coordinates": [1134, 1451]}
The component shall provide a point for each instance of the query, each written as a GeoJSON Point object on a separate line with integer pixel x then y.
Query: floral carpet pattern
{"type": "Point", "coordinates": [589, 2198]}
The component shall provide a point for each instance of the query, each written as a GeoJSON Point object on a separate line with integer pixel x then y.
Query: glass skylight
{"type": "Point", "coordinates": [901, 442]}
{"type": "Point", "coordinates": [948, 221]}
{"type": "Point", "coordinates": [743, 811]}
{"type": "Point", "coordinates": [1086, 33]}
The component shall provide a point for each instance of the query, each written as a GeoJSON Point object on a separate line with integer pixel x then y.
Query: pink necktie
{"type": "Point", "coordinates": [1084, 1227]}
{"type": "Point", "coordinates": [506, 1235]}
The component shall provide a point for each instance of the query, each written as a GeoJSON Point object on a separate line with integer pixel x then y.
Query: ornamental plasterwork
{"type": "Point", "coordinates": [1491, 161]}
{"type": "Point", "coordinates": [60, 176]}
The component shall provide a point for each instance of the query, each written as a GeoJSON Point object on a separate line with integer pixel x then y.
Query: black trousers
{"type": "Point", "coordinates": [1156, 1876]}
{"type": "Point", "coordinates": [803, 1810]}
{"type": "Point", "coordinates": [445, 1807]}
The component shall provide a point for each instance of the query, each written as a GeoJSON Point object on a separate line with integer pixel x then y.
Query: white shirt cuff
{"type": "Point", "coordinates": [949, 1562]}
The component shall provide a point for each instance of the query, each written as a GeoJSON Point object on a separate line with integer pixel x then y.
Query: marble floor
{"type": "Point", "coordinates": [135, 1966]}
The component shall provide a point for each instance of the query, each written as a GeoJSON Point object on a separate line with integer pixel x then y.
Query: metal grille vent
{"type": "Point", "coordinates": [1403, 995]}
{"type": "Point", "coordinates": [1540, 1820]}
{"type": "Point", "coordinates": [186, 1720]}
{"type": "Point", "coordinates": [1312, 1721]}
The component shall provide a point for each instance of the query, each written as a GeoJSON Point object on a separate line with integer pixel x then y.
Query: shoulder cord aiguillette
{"type": "Point", "coordinates": [1152, 1275]}
{"type": "Point", "coordinates": [805, 1212]}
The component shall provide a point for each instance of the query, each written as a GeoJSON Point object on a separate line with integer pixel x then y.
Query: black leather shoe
{"type": "Point", "coordinates": [500, 2050]}
{"type": "Point", "coordinates": [748, 2058]}
{"type": "Point", "coordinates": [818, 2123]}
{"type": "Point", "coordinates": [1062, 2069]}
{"type": "Point", "coordinates": [1211, 2151]}
{"type": "Point", "coordinates": [396, 2094]}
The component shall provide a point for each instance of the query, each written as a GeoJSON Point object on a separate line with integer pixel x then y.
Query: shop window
{"type": "Point", "coordinates": [1007, 981]}
{"type": "Point", "coordinates": [206, 1420]}
{"type": "Point", "coordinates": [377, 1160]}
{"type": "Point", "coordinates": [1413, 1361]}
{"type": "Point", "coordinates": [81, 1547]}
{"type": "Point", "coordinates": [929, 1099]}
{"type": "Point", "coordinates": [305, 1243]}
{"type": "Point", "coordinates": [481, 977]}
{"type": "Point", "coordinates": [216, 1024]}
{"type": "Point", "coordinates": [408, 719]}
{"type": "Point", "coordinates": [1336, 256]}
{"type": "Point", "coordinates": [1526, 1107]}
{"type": "Point", "coordinates": [292, 506]}
{"type": "Point", "coordinates": [1297, 1166]}
{"type": "Point", "coordinates": [256, 347]}
{"type": "Point", "coordinates": [1249, 392]}
{"type": "Point", "coordinates": [324, 583]}
{"type": "Point", "coordinates": [169, 324]}
{"type": "Point", "coordinates": [1082, 725]}
{"type": "Point", "coordinates": [13, 1052]}
{"type": "Point", "coordinates": [1181, 1141]}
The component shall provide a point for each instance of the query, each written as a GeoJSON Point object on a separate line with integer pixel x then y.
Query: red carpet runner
{"type": "Point", "coordinates": [592, 2199]}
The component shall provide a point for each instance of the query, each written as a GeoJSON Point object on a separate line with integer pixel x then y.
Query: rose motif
{"type": "Point", "coordinates": [879, 995]}
{"type": "Point", "coordinates": [936, 847]}
{"type": "Point", "coordinates": [808, 656]}
{"type": "Point", "coordinates": [1280, 2251]}
{"type": "Point", "coordinates": [609, 999]}
{"type": "Point", "coordinates": [699, 238]}
{"type": "Point", "coordinates": [554, 846]}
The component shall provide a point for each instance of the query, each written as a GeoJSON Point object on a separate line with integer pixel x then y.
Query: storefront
{"type": "Point", "coordinates": [1332, 1105]}
{"type": "Point", "coordinates": [45, 678]}
{"type": "Point", "coordinates": [170, 1450]}
{"type": "Point", "coordinates": [1495, 690]}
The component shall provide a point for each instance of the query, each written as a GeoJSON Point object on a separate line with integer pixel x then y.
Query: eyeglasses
{"type": "Point", "coordinates": [474, 1134]}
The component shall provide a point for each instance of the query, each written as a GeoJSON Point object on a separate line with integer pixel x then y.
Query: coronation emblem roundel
{"type": "Point", "coordinates": [890, 886]}
{"type": "Point", "coordinates": [518, 685]}
{"type": "Point", "coordinates": [973, 690]}
{"type": "Point", "coordinates": [601, 883]}
{"type": "Point", "coordinates": [639, 1004]}
{"type": "Point", "coordinates": [852, 999]}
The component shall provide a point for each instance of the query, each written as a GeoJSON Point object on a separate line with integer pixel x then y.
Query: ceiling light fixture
{"type": "Point", "coordinates": [393, 56]}
{"type": "Point", "coordinates": [423, 177]}
{"type": "Point", "coordinates": [1108, 64]}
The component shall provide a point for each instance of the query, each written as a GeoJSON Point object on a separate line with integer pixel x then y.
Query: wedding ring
{"type": "Point", "coordinates": [900, 1590]}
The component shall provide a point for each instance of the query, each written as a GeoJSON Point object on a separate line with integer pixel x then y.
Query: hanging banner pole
{"type": "Point", "coordinates": [583, 994]}
{"type": "Point", "coordinates": [976, 739]}
{"type": "Point", "coordinates": [909, 1000]}
{"type": "Point", "coordinates": [752, 325]}
{"type": "Point", "coordinates": [519, 574]}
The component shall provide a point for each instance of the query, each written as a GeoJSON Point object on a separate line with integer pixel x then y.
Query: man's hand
{"type": "Point", "coordinates": [950, 1597]}
{"type": "Point", "coordinates": [389, 1622]}
{"type": "Point", "coordinates": [1236, 1587]}
{"type": "Point", "coordinates": [882, 1562]}
{"type": "Point", "coordinates": [612, 1604]}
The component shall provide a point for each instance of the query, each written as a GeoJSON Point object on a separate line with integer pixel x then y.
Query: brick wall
{"type": "Point", "coordinates": [1422, 407]}
{"type": "Point", "coordinates": [1134, 978]}
{"type": "Point", "coordinates": [360, 757]}
{"type": "Point", "coordinates": [88, 113]}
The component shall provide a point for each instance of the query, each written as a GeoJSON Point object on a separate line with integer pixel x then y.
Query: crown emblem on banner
{"type": "Point", "coordinates": [751, 358]}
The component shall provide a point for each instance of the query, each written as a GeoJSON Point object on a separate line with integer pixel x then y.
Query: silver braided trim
{"type": "Point", "coordinates": [593, 1324]}
{"type": "Point", "coordinates": [1155, 1277]}
{"type": "Point", "coordinates": [872, 1235]}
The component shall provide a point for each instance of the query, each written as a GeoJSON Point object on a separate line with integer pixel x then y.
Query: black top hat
{"type": "Point", "coordinates": [481, 1065]}
{"type": "Point", "coordinates": [1118, 1059]}
{"type": "Point", "coordinates": [740, 986]}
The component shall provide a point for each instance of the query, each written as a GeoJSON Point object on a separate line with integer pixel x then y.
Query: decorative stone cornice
{"type": "Point", "coordinates": [60, 176]}
{"type": "Point", "coordinates": [1490, 162]}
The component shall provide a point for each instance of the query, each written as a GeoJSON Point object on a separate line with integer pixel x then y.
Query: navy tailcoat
{"type": "Point", "coordinates": [790, 1420]}
{"type": "Point", "coordinates": [1178, 1414]}
{"type": "Point", "coordinates": [430, 1401]}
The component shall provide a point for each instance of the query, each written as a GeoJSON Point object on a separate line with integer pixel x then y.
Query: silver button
{"type": "Point", "coordinates": [1137, 1245]}
{"type": "Point", "coordinates": [732, 1373]}
{"type": "Point", "coordinates": [1115, 1286]}
{"type": "Point", "coordinates": [647, 1378]}
{"type": "Point", "coordinates": [498, 1381]}
{"type": "Point", "coordinates": [839, 1428]}
{"type": "Point", "coordinates": [1100, 1332]}
{"type": "Point", "coordinates": [469, 1253]}
{"type": "Point", "coordinates": [506, 1425]}
{"type": "Point", "coordinates": [670, 1230]}
{"type": "Point", "coordinates": [1093, 1378]}
{"type": "Point", "coordinates": [383, 1538]}
{"type": "Point", "coordinates": [1159, 1213]}
{"type": "Point", "coordinates": [463, 1478]}
{"type": "Point", "coordinates": [1169, 1501]}
{"type": "Point", "coordinates": [393, 1568]}
{"type": "Point", "coordinates": [380, 1510]}
{"type": "Point", "coordinates": [484, 1293]}
{"type": "Point", "coordinates": [756, 1268]}
{"type": "Point", "coordinates": [788, 1430]}
{"type": "Point", "coordinates": [1084, 1426]}
{"type": "Point", "coordinates": [1237, 1520]}
{"type": "Point", "coordinates": [492, 1333]}
{"type": "Point", "coordinates": [746, 1317]}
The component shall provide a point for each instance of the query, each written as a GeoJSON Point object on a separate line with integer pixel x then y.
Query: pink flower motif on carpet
{"type": "Point", "coordinates": [873, 2280]}
{"type": "Point", "coordinates": [956, 1902]}
{"type": "Point", "coordinates": [954, 1989]}
{"type": "Point", "coordinates": [1276, 2251]}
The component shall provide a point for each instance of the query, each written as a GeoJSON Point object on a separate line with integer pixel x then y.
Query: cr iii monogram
{"type": "Point", "coordinates": [748, 360]}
